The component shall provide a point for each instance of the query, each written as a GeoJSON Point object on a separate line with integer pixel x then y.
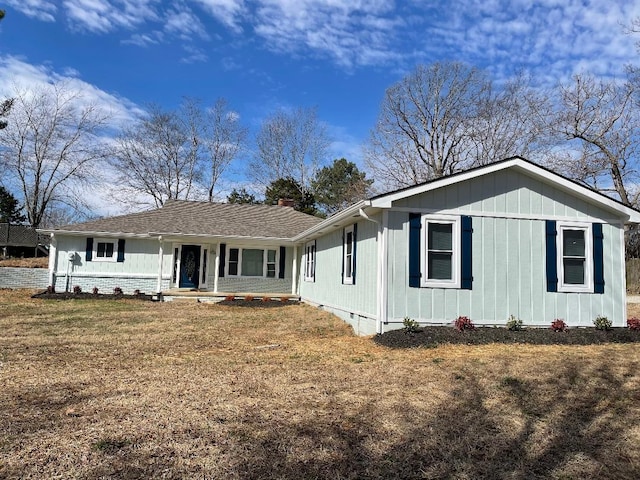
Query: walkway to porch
{"type": "Point", "coordinates": [204, 295]}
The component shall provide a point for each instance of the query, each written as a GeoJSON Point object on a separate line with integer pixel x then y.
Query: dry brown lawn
{"type": "Point", "coordinates": [129, 389]}
{"type": "Point", "coordinates": [35, 262]}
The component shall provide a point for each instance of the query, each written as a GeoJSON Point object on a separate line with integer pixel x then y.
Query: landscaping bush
{"type": "Point", "coordinates": [463, 323]}
{"type": "Point", "coordinates": [558, 325]}
{"type": "Point", "coordinates": [95, 290]}
{"type": "Point", "coordinates": [77, 289]}
{"type": "Point", "coordinates": [514, 324]}
{"type": "Point", "coordinates": [633, 323]}
{"type": "Point", "coordinates": [410, 325]}
{"type": "Point", "coordinates": [117, 291]}
{"type": "Point", "coordinates": [602, 323]}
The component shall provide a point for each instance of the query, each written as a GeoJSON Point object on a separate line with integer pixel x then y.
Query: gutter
{"type": "Point", "coordinates": [352, 211]}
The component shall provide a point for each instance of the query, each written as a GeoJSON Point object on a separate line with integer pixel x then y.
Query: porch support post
{"type": "Point", "coordinates": [294, 271]}
{"type": "Point", "coordinates": [160, 258]}
{"type": "Point", "coordinates": [53, 259]}
{"type": "Point", "coordinates": [216, 268]}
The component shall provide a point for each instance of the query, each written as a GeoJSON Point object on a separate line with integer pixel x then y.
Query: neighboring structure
{"type": "Point", "coordinates": [22, 241]}
{"type": "Point", "coordinates": [213, 247]}
{"type": "Point", "coordinates": [510, 238]}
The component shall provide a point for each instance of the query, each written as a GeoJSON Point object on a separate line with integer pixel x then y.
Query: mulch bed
{"type": "Point", "coordinates": [257, 303]}
{"type": "Point", "coordinates": [89, 296]}
{"type": "Point", "coordinates": [434, 336]}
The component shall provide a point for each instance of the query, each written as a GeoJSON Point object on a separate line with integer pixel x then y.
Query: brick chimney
{"type": "Point", "coordinates": [286, 202]}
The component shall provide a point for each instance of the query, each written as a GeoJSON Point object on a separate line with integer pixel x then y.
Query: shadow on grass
{"type": "Point", "coordinates": [571, 425]}
{"type": "Point", "coordinates": [576, 433]}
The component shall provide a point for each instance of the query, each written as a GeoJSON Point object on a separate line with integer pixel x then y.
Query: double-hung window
{"type": "Point", "coordinates": [252, 262]}
{"type": "Point", "coordinates": [575, 257]}
{"type": "Point", "coordinates": [441, 246]}
{"type": "Point", "coordinates": [104, 250]}
{"type": "Point", "coordinates": [348, 257]}
{"type": "Point", "coordinates": [310, 261]}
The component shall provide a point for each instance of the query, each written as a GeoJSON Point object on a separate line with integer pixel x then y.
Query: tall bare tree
{"type": "Point", "coordinates": [223, 137]}
{"type": "Point", "coordinates": [157, 158]}
{"type": "Point", "coordinates": [600, 123]}
{"type": "Point", "coordinates": [290, 144]}
{"type": "Point", "coordinates": [51, 145]}
{"type": "Point", "coordinates": [446, 117]}
{"type": "Point", "coordinates": [423, 124]}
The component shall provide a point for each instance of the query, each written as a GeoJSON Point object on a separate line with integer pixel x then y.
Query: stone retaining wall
{"type": "Point", "coordinates": [14, 277]}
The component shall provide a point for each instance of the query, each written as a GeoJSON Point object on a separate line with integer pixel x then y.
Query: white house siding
{"type": "Point", "coordinates": [138, 271]}
{"type": "Point", "coordinates": [509, 210]}
{"type": "Point", "coordinates": [356, 304]}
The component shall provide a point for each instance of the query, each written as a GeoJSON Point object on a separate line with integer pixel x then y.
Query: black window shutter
{"type": "Point", "coordinates": [415, 225]}
{"type": "Point", "coordinates": [223, 257]}
{"type": "Point", "coordinates": [342, 269]}
{"type": "Point", "coordinates": [552, 254]}
{"type": "Point", "coordinates": [467, 273]}
{"type": "Point", "coordinates": [353, 254]}
{"type": "Point", "coordinates": [120, 250]}
{"type": "Point", "coordinates": [598, 259]}
{"type": "Point", "coordinates": [283, 259]}
{"type": "Point", "coordinates": [89, 253]}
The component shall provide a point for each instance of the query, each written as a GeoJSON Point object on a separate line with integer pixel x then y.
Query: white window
{"type": "Point", "coordinates": [441, 245]}
{"type": "Point", "coordinates": [252, 262]}
{"type": "Point", "coordinates": [310, 261]}
{"type": "Point", "coordinates": [348, 258]}
{"type": "Point", "coordinates": [575, 257]}
{"type": "Point", "coordinates": [104, 250]}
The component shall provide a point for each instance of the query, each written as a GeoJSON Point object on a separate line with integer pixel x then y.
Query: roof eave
{"type": "Point", "coordinates": [335, 220]}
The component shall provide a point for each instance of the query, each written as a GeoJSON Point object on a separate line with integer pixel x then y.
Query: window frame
{"type": "Point", "coordinates": [588, 285]}
{"type": "Point", "coordinates": [265, 262]}
{"type": "Point", "coordinates": [348, 279]}
{"type": "Point", "coordinates": [113, 258]}
{"type": "Point", "coordinates": [310, 261]}
{"type": "Point", "coordinates": [456, 246]}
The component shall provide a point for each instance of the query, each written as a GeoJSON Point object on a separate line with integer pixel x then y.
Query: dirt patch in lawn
{"type": "Point", "coordinates": [123, 389]}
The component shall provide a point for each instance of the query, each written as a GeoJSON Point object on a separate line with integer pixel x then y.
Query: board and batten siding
{"type": "Point", "coordinates": [508, 211]}
{"type": "Point", "coordinates": [138, 271]}
{"type": "Point", "coordinates": [356, 304]}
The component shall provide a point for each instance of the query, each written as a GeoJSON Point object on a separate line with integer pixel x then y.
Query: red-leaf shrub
{"type": "Point", "coordinates": [558, 325]}
{"type": "Point", "coordinates": [266, 299]}
{"type": "Point", "coordinates": [248, 298]}
{"type": "Point", "coordinates": [51, 289]}
{"type": "Point", "coordinates": [77, 289]}
{"type": "Point", "coordinates": [463, 323]}
{"type": "Point", "coordinates": [117, 291]}
{"type": "Point", "coordinates": [230, 298]}
{"type": "Point", "coordinates": [95, 290]}
{"type": "Point", "coordinates": [633, 323]}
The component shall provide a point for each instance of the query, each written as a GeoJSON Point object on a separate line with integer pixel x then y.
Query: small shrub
{"type": "Point", "coordinates": [136, 292]}
{"type": "Point", "coordinates": [248, 298]}
{"type": "Point", "coordinates": [229, 298]}
{"type": "Point", "coordinates": [77, 289]}
{"type": "Point", "coordinates": [633, 323]}
{"type": "Point", "coordinates": [95, 290]}
{"type": "Point", "coordinates": [410, 325]}
{"type": "Point", "coordinates": [463, 323]}
{"type": "Point", "coordinates": [51, 289]}
{"type": "Point", "coordinates": [266, 299]}
{"type": "Point", "coordinates": [117, 291]}
{"type": "Point", "coordinates": [559, 325]}
{"type": "Point", "coordinates": [514, 324]}
{"type": "Point", "coordinates": [602, 323]}
{"type": "Point", "coordinates": [284, 299]}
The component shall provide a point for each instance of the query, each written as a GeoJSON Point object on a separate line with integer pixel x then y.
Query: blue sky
{"type": "Point", "coordinates": [338, 55]}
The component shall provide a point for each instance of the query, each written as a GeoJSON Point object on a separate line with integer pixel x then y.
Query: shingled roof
{"type": "Point", "coordinates": [181, 217]}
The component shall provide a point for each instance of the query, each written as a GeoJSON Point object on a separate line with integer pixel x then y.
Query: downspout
{"type": "Point", "coordinates": [53, 260]}
{"type": "Point", "coordinates": [381, 290]}
{"type": "Point", "coordinates": [160, 259]}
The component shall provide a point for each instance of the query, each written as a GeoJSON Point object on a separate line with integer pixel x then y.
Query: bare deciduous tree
{"type": "Point", "coordinates": [290, 144]}
{"type": "Point", "coordinates": [447, 117]}
{"type": "Point", "coordinates": [423, 124]}
{"type": "Point", "coordinates": [600, 122]}
{"type": "Point", "coordinates": [51, 145]}
{"type": "Point", "coordinates": [222, 139]}
{"type": "Point", "coordinates": [157, 158]}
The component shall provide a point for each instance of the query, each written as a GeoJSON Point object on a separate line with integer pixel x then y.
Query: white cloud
{"type": "Point", "coordinates": [228, 12]}
{"type": "Point", "coordinates": [40, 9]}
{"type": "Point", "coordinates": [101, 16]}
{"type": "Point", "coordinates": [184, 24]}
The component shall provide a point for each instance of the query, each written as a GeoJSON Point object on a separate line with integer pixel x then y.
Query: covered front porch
{"type": "Point", "coordinates": [206, 295]}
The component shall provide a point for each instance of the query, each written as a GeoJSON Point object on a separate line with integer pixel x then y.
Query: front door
{"type": "Point", "coordinates": [189, 266]}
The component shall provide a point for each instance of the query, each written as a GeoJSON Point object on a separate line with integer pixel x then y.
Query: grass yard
{"type": "Point", "coordinates": [127, 389]}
